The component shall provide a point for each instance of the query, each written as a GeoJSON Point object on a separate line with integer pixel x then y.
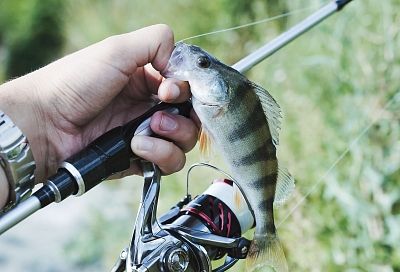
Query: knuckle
{"type": "Point", "coordinates": [177, 164]}
{"type": "Point", "coordinates": [110, 47]}
{"type": "Point", "coordinates": [192, 136]}
{"type": "Point", "coordinates": [165, 30]}
{"type": "Point", "coordinates": [189, 140]}
{"type": "Point", "coordinates": [111, 43]}
{"type": "Point", "coordinates": [170, 150]}
{"type": "Point", "coordinates": [173, 159]}
{"type": "Point", "coordinates": [180, 163]}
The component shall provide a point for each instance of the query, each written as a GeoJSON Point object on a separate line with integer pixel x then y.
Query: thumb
{"type": "Point", "coordinates": [126, 52]}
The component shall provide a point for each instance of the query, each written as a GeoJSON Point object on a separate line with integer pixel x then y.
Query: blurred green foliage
{"type": "Point", "coordinates": [31, 33]}
{"type": "Point", "coordinates": [338, 86]}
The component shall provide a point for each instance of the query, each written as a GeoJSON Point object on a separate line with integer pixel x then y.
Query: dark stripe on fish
{"type": "Point", "coordinates": [254, 120]}
{"type": "Point", "coordinates": [246, 108]}
{"type": "Point", "coordinates": [265, 152]}
{"type": "Point", "coordinates": [266, 205]}
{"type": "Point", "coordinates": [263, 183]}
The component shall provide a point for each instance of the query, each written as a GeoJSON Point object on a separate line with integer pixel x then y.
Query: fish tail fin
{"type": "Point", "coordinates": [266, 250]}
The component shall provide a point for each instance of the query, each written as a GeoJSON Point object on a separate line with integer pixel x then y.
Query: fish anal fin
{"type": "Point", "coordinates": [272, 111]}
{"type": "Point", "coordinates": [204, 142]}
{"type": "Point", "coordinates": [284, 187]}
{"type": "Point", "coordinates": [266, 251]}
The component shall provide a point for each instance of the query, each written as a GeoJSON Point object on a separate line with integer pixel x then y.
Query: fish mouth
{"type": "Point", "coordinates": [170, 71]}
{"type": "Point", "coordinates": [175, 61]}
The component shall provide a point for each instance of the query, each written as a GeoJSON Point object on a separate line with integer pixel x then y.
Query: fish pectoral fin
{"type": "Point", "coordinates": [284, 187]}
{"type": "Point", "coordinates": [204, 142]}
{"type": "Point", "coordinates": [271, 110]}
{"type": "Point", "coordinates": [266, 251]}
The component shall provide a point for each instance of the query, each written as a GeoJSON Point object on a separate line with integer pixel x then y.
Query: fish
{"type": "Point", "coordinates": [243, 121]}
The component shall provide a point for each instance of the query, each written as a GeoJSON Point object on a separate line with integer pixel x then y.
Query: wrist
{"type": "Point", "coordinates": [19, 101]}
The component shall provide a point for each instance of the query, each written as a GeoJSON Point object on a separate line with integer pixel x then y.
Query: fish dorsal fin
{"type": "Point", "coordinates": [204, 142]}
{"type": "Point", "coordinates": [271, 110]}
{"type": "Point", "coordinates": [284, 187]}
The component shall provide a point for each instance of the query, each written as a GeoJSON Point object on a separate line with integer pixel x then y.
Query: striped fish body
{"type": "Point", "coordinates": [241, 132]}
{"type": "Point", "coordinates": [242, 120]}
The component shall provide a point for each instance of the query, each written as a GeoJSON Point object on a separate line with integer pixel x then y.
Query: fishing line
{"type": "Point", "coordinates": [269, 19]}
{"type": "Point", "coordinates": [396, 97]}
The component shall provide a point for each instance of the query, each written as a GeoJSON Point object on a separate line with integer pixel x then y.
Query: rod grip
{"type": "Point", "coordinates": [111, 153]}
{"type": "Point", "coordinates": [108, 154]}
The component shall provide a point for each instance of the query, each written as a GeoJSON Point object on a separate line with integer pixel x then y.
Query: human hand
{"type": "Point", "coordinates": [64, 106]}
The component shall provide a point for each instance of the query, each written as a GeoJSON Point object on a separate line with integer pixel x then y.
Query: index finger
{"type": "Point", "coordinates": [169, 90]}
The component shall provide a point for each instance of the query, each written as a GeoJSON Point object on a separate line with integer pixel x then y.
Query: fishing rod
{"type": "Point", "coordinates": [286, 37]}
{"type": "Point", "coordinates": [111, 152]}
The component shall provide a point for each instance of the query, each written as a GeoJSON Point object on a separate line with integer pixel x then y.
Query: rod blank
{"type": "Point", "coordinates": [19, 213]}
{"type": "Point", "coordinates": [270, 48]}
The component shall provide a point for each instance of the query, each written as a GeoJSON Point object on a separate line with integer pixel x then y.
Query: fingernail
{"type": "Point", "coordinates": [141, 143]}
{"type": "Point", "coordinates": [174, 92]}
{"type": "Point", "coordinates": [167, 123]}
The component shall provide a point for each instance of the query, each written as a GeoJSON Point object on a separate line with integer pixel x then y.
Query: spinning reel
{"type": "Point", "coordinates": [191, 234]}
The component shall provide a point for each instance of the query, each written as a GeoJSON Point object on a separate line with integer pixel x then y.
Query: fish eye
{"type": "Point", "coordinates": [203, 62]}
